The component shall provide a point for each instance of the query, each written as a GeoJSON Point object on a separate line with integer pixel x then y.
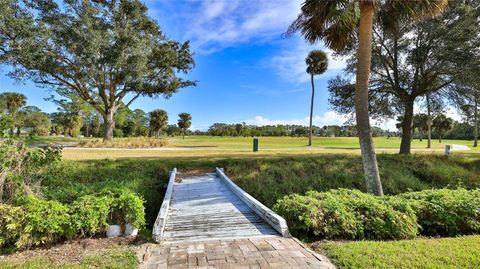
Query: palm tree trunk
{"type": "Point", "coordinates": [475, 127]}
{"type": "Point", "coordinates": [369, 159]}
{"type": "Point", "coordinates": [406, 143]}
{"type": "Point", "coordinates": [311, 111]}
{"type": "Point", "coordinates": [429, 124]}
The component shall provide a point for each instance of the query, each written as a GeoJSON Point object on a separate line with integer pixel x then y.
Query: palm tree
{"type": "Point", "coordinates": [184, 122]}
{"type": "Point", "coordinates": [442, 124]}
{"type": "Point", "coordinates": [317, 64]}
{"type": "Point", "coordinates": [12, 102]}
{"type": "Point", "coordinates": [158, 121]}
{"type": "Point", "coordinates": [339, 23]}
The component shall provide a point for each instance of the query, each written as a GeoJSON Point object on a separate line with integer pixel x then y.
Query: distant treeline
{"type": "Point", "coordinates": [242, 129]}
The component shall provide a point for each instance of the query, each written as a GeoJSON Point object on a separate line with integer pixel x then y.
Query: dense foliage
{"type": "Point", "coordinates": [351, 214]}
{"type": "Point", "coordinates": [224, 129]}
{"type": "Point", "coordinates": [447, 212]}
{"type": "Point", "coordinates": [99, 51]}
{"type": "Point", "coordinates": [348, 214]}
{"type": "Point", "coordinates": [28, 220]}
{"type": "Point", "coordinates": [36, 221]}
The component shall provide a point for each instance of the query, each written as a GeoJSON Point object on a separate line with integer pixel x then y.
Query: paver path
{"type": "Point", "coordinates": [202, 207]}
{"type": "Point", "coordinates": [269, 252]}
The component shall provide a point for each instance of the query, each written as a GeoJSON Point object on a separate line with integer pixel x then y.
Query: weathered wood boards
{"type": "Point", "coordinates": [160, 222]}
{"type": "Point", "coordinates": [212, 207]}
{"type": "Point", "coordinates": [277, 222]}
{"type": "Point", "coordinates": [203, 208]}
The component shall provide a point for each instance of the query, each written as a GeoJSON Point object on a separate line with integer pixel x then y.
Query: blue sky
{"type": "Point", "coordinates": [246, 71]}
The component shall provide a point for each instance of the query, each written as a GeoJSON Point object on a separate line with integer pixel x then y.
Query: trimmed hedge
{"type": "Point", "coordinates": [351, 214]}
{"type": "Point", "coordinates": [447, 212]}
{"type": "Point", "coordinates": [348, 214]}
{"type": "Point", "coordinates": [37, 222]}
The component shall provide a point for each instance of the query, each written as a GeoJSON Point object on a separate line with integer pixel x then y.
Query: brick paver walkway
{"type": "Point", "coordinates": [265, 252]}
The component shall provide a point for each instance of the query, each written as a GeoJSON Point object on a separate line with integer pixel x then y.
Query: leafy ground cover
{"type": "Point", "coordinates": [461, 252]}
{"type": "Point", "coordinates": [266, 178]}
{"type": "Point", "coordinates": [347, 214]}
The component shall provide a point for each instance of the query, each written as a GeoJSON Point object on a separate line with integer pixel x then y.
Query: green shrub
{"type": "Point", "coordinates": [89, 214]}
{"type": "Point", "coordinates": [37, 222]}
{"type": "Point", "coordinates": [12, 221]}
{"type": "Point", "coordinates": [126, 208]}
{"type": "Point", "coordinates": [348, 214]}
{"type": "Point", "coordinates": [45, 222]}
{"type": "Point", "coordinates": [447, 212]}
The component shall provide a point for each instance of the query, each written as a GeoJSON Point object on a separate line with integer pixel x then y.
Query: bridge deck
{"type": "Point", "coordinates": [203, 207]}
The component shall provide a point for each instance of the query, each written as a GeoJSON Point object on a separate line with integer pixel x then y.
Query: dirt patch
{"type": "Point", "coordinates": [192, 173]}
{"type": "Point", "coordinates": [72, 251]}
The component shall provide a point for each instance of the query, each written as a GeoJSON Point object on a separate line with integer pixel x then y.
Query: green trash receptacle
{"type": "Point", "coordinates": [255, 144]}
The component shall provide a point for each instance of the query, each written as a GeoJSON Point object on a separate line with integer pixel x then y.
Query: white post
{"type": "Point", "coordinates": [448, 148]}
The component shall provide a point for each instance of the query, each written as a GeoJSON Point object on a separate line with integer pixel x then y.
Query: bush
{"type": "Point", "coordinates": [351, 214]}
{"type": "Point", "coordinates": [89, 214]}
{"type": "Point", "coordinates": [447, 212]}
{"type": "Point", "coordinates": [45, 222]}
{"type": "Point", "coordinates": [348, 214]}
{"type": "Point", "coordinates": [38, 222]}
{"type": "Point", "coordinates": [126, 208]}
{"type": "Point", "coordinates": [12, 220]}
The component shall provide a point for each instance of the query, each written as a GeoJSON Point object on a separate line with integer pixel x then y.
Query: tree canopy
{"type": "Point", "coordinates": [101, 51]}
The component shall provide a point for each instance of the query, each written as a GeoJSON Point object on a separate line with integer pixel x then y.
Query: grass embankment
{"type": "Point", "coordinates": [113, 259]}
{"type": "Point", "coordinates": [267, 179]}
{"type": "Point", "coordinates": [462, 252]}
{"type": "Point", "coordinates": [270, 178]}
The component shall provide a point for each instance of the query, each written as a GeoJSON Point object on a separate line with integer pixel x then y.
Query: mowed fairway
{"type": "Point", "coordinates": [193, 146]}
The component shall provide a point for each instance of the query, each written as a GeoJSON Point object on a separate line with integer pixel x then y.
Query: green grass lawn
{"type": "Point", "coordinates": [216, 142]}
{"type": "Point", "coordinates": [208, 146]}
{"type": "Point", "coordinates": [462, 252]}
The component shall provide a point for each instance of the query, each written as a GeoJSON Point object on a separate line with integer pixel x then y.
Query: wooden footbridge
{"type": "Point", "coordinates": [211, 206]}
{"type": "Point", "coordinates": [207, 221]}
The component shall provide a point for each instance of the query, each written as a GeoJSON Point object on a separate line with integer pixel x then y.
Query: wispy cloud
{"type": "Point", "coordinates": [289, 63]}
{"type": "Point", "coordinates": [327, 118]}
{"type": "Point", "coordinates": [212, 25]}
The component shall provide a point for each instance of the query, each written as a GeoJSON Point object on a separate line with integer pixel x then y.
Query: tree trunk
{"type": "Point", "coordinates": [475, 127]}
{"type": "Point", "coordinates": [311, 111]}
{"type": "Point", "coordinates": [406, 143]}
{"type": "Point", "coordinates": [421, 135]}
{"type": "Point", "coordinates": [440, 138]}
{"type": "Point", "coordinates": [108, 125]}
{"type": "Point", "coordinates": [429, 124]}
{"type": "Point", "coordinates": [369, 159]}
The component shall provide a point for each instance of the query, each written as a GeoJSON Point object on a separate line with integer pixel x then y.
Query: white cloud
{"type": "Point", "coordinates": [328, 118]}
{"type": "Point", "coordinates": [290, 62]}
{"type": "Point", "coordinates": [212, 25]}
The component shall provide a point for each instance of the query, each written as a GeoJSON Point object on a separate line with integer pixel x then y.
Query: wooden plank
{"type": "Point", "coordinates": [277, 222]}
{"type": "Point", "coordinates": [203, 207]}
{"type": "Point", "coordinates": [160, 222]}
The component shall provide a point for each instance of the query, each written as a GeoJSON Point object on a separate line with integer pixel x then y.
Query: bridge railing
{"type": "Point", "coordinates": [161, 220]}
{"type": "Point", "coordinates": [277, 222]}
